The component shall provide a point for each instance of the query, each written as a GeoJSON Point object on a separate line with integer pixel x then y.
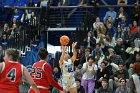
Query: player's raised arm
{"type": "Point", "coordinates": [30, 80]}
{"type": "Point", "coordinates": [62, 56]}
{"type": "Point", "coordinates": [74, 52]}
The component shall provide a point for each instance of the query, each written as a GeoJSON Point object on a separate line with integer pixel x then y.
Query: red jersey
{"type": "Point", "coordinates": [42, 75]}
{"type": "Point", "coordinates": [11, 76]}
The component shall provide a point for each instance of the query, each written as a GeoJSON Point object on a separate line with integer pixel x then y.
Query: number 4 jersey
{"type": "Point", "coordinates": [10, 76]}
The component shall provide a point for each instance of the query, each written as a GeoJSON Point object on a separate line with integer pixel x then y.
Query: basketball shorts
{"type": "Point", "coordinates": [68, 82]}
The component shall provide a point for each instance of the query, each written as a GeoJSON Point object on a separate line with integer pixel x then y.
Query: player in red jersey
{"type": "Point", "coordinates": [42, 74]}
{"type": "Point", "coordinates": [11, 72]}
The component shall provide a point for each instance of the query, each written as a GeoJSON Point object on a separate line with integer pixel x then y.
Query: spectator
{"type": "Point", "coordinates": [33, 19]}
{"type": "Point", "coordinates": [99, 59]}
{"type": "Point", "coordinates": [130, 70]}
{"type": "Point", "coordinates": [121, 13]}
{"type": "Point", "coordinates": [136, 35]}
{"type": "Point", "coordinates": [134, 27]}
{"type": "Point", "coordinates": [123, 23]}
{"type": "Point", "coordinates": [80, 54]}
{"type": "Point", "coordinates": [110, 41]}
{"type": "Point", "coordinates": [80, 88]}
{"type": "Point", "coordinates": [137, 43]}
{"type": "Point", "coordinates": [119, 34]}
{"type": "Point", "coordinates": [97, 23]}
{"type": "Point", "coordinates": [101, 40]}
{"type": "Point", "coordinates": [89, 41]}
{"type": "Point", "coordinates": [16, 14]}
{"type": "Point", "coordinates": [115, 58]}
{"type": "Point", "coordinates": [136, 57]}
{"type": "Point", "coordinates": [4, 41]}
{"type": "Point", "coordinates": [97, 51]}
{"type": "Point", "coordinates": [32, 27]}
{"type": "Point", "coordinates": [89, 71]}
{"type": "Point", "coordinates": [118, 75]}
{"type": "Point", "coordinates": [119, 48]}
{"type": "Point", "coordinates": [110, 13]}
{"type": "Point", "coordinates": [105, 87]}
{"type": "Point", "coordinates": [123, 88]}
{"type": "Point", "coordinates": [109, 21]}
{"type": "Point", "coordinates": [108, 65]}
{"type": "Point", "coordinates": [111, 29]}
{"type": "Point", "coordinates": [85, 56]}
{"type": "Point", "coordinates": [136, 13]}
{"type": "Point", "coordinates": [25, 17]}
{"type": "Point", "coordinates": [127, 37]}
{"type": "Point", "coordinates": [135, 79]}
{"type": "Point", "coordinates": [6, 29]}
{"type": "Point", "coordinates": [78, 73]}
{"type": "Point", "coordinates": [102, 73]}
{"type": "Point", "coordinates": [14, 30]}
{"type": "Point", "coordinates": [122, 2]}
{"type": "Point", "coordinates": [31, 3]}
{"type": "Point", "coordinates": [56, 73]}
{"type": "Point", "coordinates": [14, 21]}
{"type": "Point", "coordinates": [101, 30]}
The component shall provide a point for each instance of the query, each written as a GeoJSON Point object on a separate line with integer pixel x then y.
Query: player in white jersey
{"type": "Point", "coordinates": [67, 65]}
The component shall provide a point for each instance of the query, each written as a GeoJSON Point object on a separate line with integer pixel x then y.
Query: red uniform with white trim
{"type": "Point", "coordinates": [10, 77]}
{"type": "Point", "coordinates": [43, 77]}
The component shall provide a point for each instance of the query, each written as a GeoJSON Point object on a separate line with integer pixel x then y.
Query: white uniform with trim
{"type": "Point", "coordinates": [68, 80]}
{"type": "Point", "coordinates": [136, 80]}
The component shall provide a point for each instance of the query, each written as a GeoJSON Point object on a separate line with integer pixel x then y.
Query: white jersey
{"type": "Point", "coordinates": [68, 68]}
{"type": "Point", "coordinates": [89, 73]}
{"type": "Point", "coordinates": [136, 80]}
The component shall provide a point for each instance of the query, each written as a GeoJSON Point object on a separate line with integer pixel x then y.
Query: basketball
{"type": "Point", "coordinates": [64, 40]}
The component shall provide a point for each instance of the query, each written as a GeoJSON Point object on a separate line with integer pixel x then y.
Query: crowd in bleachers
{"type": "Point", "coordinates": [113, 42]}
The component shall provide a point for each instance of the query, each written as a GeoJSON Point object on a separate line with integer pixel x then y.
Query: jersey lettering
{"type": "Point", "coordinates": [36, 73]}
{"type": "Point", "coordinates": [69, 68]}
{"type": "Point", "coordinates": [12, 75]}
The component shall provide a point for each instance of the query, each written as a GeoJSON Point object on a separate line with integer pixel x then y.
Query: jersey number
{"type": "Point", "coordinates": [12, 75]}
{"type": "Point", "coordinates": [36, 73]}
{"type": "Point", "coordinates": [70, 69]}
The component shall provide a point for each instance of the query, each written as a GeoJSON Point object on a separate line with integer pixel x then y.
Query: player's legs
{"type": "Point", "coordinates": [65, 87]}
{"type": "Point", "coordinates": [72, 87]}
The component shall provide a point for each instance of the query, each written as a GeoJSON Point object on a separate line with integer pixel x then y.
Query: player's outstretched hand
{"type": "Point", "coordinates": [74, 44]}
{"type": "Point", "coordinates": [64, 48]}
